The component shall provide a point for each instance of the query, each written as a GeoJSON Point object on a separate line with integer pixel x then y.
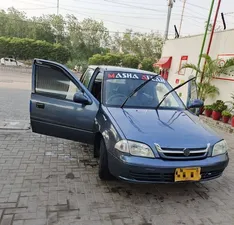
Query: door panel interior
{"type": "Point", "coordinates": [53, 111]}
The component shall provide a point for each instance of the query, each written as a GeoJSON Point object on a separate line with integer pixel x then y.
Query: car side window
{"type": "Point", "coordinates": [53, 82]}
{"type": "Point", "coordinates": [96, 86]}
{"type": "Point", "coordinates": [99, 77]}
{"type": "Point", "coordinates": [87, 76]}
{"type": "Point", "coordinates": [161, 90]}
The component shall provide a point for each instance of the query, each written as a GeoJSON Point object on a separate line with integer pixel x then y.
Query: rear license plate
{"type": "Point", "coordinates": [188, 174]}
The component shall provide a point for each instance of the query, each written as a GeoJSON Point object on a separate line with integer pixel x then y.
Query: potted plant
{"type": "Point", "coordinates": [231, 108]}
{"type": "Point", "coordinates": [218, 107]}
{"type": "Point", "coordinates": [201, 110]}
{"type": "Point", "coordinates": [208, 110]}
{"type": "Point", "coordinates": [226, 115]}
{"type": "Point", "coordinates": [211, 70]}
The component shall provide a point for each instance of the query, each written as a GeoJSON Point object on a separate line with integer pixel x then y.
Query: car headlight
{"type": "Point", "coordinates": [134, 148]}
{"type": "Point", "coordinates": [220, 148]}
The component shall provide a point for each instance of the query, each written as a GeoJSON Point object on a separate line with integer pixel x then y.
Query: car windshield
{"type": "Point", "coordinates": [119, 85]}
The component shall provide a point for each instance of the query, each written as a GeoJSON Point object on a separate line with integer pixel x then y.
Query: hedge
{"type": "Point", "coordinates": [25, 48]}
{"type": "Point", "coordinates": [125, 60]}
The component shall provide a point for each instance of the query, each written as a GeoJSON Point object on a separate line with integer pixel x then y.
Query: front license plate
{"type": "Point", "coordinates": [188, 174]}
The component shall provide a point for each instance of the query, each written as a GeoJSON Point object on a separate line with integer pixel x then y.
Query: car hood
{"type": "Point", "coordinates": [168, 128]}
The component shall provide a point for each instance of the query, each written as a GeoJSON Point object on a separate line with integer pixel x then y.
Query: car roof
{"type": "Point", "coordinates": [120, 69]}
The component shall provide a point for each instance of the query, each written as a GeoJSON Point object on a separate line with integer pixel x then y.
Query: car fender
{"type": "Point", "coordinates": [106, 126]}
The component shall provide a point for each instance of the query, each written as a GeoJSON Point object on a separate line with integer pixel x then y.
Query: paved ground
{"type": "Point", "coordinates": [14, 95]}
{"type": "Point", "coordinates": [15, 87]}
{"type": "Point", "coordinates": [45, 181]}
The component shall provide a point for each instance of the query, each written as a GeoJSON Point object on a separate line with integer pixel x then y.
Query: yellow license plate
{"type": "Point", "coordinates": [188, 174]}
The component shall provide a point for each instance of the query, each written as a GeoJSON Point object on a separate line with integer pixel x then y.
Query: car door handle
{"type": "Point", "coordinates": [40, 105]}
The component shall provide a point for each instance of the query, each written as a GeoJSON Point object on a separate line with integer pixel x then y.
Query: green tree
{"type": "Point", "coordinates": [25, 48]}
{"type": "Point", "coordinates": [41, 29]}
{"type": "Point", "coordinates": [87, 37]}
{"type": "Point", "coordinates": [143, 45]}
{"type": "Point", "coordinates": [130, 61]}
{"type": "Point", "coordinates": [12, 23]}
{"type": "Point", "coordinates": [112, 59]}
{"type": "Point", "coordinates": [147, 64]}
{"type": "Point", "coordinates": [83, 38]}
{"type": "Point", "coordinates": [107, 59]}
{"type": "Point", "coordinates": [96, 59]}
{"type": "Point", "coordinates": [58, 24]}
{"type": "Point", "coordinates": [212, 69]}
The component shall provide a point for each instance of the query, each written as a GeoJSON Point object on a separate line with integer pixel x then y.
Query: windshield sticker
{"type": "Point", "coordinates": [123, 75]}
{"type": "Point", "coordinates": [134, 76]}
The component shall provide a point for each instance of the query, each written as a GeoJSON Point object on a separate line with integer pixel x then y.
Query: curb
{"type": "Point", "coordinates": [14, 125]}
{"type": "Point", "coordinates": [218, 124]}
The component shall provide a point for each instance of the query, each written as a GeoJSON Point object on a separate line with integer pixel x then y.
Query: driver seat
{"type": "Point", "coordinates": [96, 90]}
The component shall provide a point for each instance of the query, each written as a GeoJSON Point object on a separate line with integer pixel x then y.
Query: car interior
{"type": "Point", "coordinates": [96, 87]}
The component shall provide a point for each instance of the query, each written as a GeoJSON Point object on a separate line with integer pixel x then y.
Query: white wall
{"type": "Point", "coordinates": [223, 43]}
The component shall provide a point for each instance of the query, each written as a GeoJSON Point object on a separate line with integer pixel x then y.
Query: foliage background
{"type": "Point", "coordinates": [72, 41]}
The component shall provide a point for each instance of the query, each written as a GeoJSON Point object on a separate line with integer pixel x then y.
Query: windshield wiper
{"type": "Point", "coordinates": [172, 91]}
{"type": "Point", "coordinates": [137, 89]}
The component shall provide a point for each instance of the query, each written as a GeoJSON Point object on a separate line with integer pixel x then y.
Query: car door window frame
{"type": "Point", "coordinates": [83, 77]}
{"type": "Point", "coordinates": [64, 72]}
{"type": "Point", "coordinates": [93, 78]}
{"type": "Point", "coordinates": [85, 74]}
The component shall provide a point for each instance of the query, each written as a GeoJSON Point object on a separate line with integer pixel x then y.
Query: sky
{"type": "Point", "coordinates": [138, 15]}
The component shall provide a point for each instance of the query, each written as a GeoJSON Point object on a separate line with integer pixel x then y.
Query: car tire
{"type": "Point", "coordinates": [96, 151]}
{"type": "Point", "coordinates": [104, 173]}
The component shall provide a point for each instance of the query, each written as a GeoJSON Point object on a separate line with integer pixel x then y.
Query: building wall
{"type": "Point", "coordinates": [223, 43]}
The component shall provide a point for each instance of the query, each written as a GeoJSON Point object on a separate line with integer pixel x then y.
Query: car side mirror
{"type": "Point", "coordinates": [80, 97]}
{"type": "Point", "coordinates": [196, 103]}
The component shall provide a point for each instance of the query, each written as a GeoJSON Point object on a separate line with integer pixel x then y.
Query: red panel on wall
{"type": "Point", "coordinates": [183, 60]}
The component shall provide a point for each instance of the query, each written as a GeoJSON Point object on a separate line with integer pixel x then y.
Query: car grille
{"type": "Point", "coordinates": [169, 177]}
{"type": "Point", "coordinates": [182, 153]}
{"type": "Point", "coordinates": [153, 177]}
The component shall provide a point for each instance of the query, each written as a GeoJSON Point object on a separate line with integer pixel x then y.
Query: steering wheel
{"type": "Point", "coordinates": [116, 96]}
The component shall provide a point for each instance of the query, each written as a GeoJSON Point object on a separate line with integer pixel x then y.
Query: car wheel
{"type": "Point", "coordinates": [104, 173]}
{"type": "Point", "coordinates": [95, 152]}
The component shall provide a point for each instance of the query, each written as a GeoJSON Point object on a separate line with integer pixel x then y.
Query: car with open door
{"type": "Point", "coordinates": [141, 130]}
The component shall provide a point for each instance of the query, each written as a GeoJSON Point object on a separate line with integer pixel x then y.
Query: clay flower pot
{"type": "Point", "coordinates": [232, 121]}
{"type": "Point", "coordinates": [216, 115]}
{"type": "Point", "coordinates": [225, 119]}
{"type": "Point", "coordinates": [208, 112]}
{"type": "Point", "coordinates": [201, 110]}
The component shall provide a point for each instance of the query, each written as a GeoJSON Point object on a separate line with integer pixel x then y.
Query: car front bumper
{"type": "Point", "coordinates": [146, 170]}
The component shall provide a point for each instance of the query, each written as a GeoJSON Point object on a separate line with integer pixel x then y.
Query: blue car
{"type": "Point", "coordinates": [141, 130]}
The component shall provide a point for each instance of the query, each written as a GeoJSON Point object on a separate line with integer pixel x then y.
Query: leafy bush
{"type": "Point", "coordinates": [96, 59]}
{"type": "Point", "coordinates": [130, 61]}
{"type": "Point", "coordinates": [147, 64]}
{"type": "Point", "coordinates": [25, 48]}
{"type": "Point", "coordinates": [115, 60]}
{"type": "Point", "coordinates": [112, 59]}
{"type": "Point", "coordinates": [226, 113]}
{"type": "Point", "coordinates": [219, 106]}
{"type": "Point", "coordinates": [208, 107]}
